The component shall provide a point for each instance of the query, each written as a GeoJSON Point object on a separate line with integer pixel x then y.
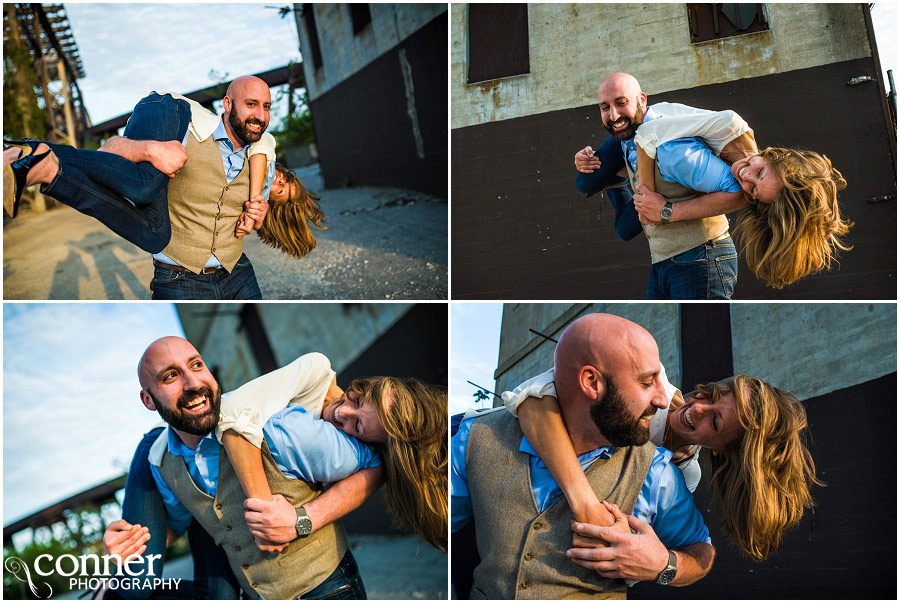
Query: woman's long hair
{"type": "Point", "coordinates": [800, 233]}
{"type": "Point", "coordinates": [761, 481]}
{"type": "Point", "coordinates": [414, 415]}
{"type": "Point", "coordinates": [286, 226]}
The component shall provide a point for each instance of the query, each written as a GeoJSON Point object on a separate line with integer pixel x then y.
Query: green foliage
{"type": "Point", "coordinates": [297, 128]}
{"type": "Point", "coordinates": [480, 395]}
{"type": "Point", "coordinates": [22, 117]}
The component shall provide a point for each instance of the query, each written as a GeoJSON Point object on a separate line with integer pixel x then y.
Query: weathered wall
{"type": "Point", "coordinates": [343, 53]}
{"type": "Point", "coordinates": [573, 46]}
{"type": "Point", "coordinates": [811, 349]}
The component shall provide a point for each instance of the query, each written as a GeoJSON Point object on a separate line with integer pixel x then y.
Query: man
{"type": "Point", "coordinates": [208, 189]}
{"type": "Point", "coordinates": [196, 480]}
{"type": "Point", "coordinates": [607, 381]}
{"type": "Point", "coordinates": [692, 253]}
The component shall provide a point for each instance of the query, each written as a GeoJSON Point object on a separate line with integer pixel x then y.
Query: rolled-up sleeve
{"type": "Point", "coordinates": [536, 387]}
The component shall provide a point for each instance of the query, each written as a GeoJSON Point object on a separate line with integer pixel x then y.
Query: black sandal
{"type": "Point", "coordinates": [20, 168]}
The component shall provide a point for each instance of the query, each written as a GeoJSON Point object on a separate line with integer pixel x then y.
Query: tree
{"type": "Point", "coordinates": [22, 117]}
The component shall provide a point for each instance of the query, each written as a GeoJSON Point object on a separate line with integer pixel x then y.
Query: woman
{"type": "Point", "coordinates": [761, 470]}
{"type": "Point", "coordinates": [405, 421]}
{"type": "Point", "coordinates": [130, 198]}
{"type": "Point", "coordinates": [791, 225]}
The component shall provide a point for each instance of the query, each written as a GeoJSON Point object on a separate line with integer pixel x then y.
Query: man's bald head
{"type": "Point", "coordinates": [622, 104]}
{"type": "Point", "coordinates": [247, 102]}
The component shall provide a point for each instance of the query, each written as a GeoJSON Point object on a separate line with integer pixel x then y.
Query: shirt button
{"type": "Point", "coordinates": [199, 456]}
{"type": "Point", "coordinates": [538, 525]}
{"type": "Point", "coordinates": [528, 556]}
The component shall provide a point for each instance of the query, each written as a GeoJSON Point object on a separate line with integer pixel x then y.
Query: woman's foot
{"type": "Point", "coordinates": [38, 167]}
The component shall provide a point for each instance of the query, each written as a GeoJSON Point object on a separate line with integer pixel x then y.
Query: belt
{"type": "Point", "coordinates": [183, 270]}
{"type": "Point", "coordinates": [724, 235]}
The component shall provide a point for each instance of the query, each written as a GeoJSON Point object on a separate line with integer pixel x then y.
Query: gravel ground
{"type": "Point", "coordinates": [381, 243]}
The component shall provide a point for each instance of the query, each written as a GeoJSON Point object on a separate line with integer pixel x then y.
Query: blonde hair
{"type": "Point", "coordinates": [285, 227]}
{"type": "Point", "coordinates": [800, 232]}
{"type": "Point", "coordinates": [414, 415]}
{"type": "Point", "coordinates": [761, 481]}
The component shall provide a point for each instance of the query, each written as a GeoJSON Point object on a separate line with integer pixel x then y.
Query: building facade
{"type": "Point", "coordinates": [376, 76]}
{"type": "Point", "coordinates": [524, 81]}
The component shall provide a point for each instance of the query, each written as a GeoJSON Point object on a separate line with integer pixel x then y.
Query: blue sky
{"type": "Point", "coordinates": [71, 412]}
{"type": "Point", "coordinates": [127, 50]}
{"type": "Point", "coordinates": [474, 347]}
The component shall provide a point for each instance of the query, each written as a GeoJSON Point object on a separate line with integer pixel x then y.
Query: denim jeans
{"type": "Point", "coordinates": [343, 583]}
{"type": "Point", "coordinates": [708, 271]}
{"type": "Point", "coordinates": [240, 283]}
{"type": "Point", "coordinates": [129, 198]}
{"type": "Point", "coordinates": [143, 505]}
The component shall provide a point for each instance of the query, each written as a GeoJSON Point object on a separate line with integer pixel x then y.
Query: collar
{"type": "Point", "coordinates": [603, 452]}
{"type": "Point", "coordinates": [220, 134]}
{"type": "Point", "coordinates": [179, 448]}
{"type": "Point", "coordinates": [650, 114]}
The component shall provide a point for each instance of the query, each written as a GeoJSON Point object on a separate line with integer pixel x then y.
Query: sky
{"type": "Point", "coordinates": [884, 21]}
{"type": "Point", "coordinates": [474, 348]}
{"type": "Point", "coordinates": [71, 412]}
{"type": "Point", "coordinates": [127, 50]}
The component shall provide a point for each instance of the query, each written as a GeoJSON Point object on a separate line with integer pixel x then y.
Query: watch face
{"type": "Point", "coordinates": [666, 213]}
{"type": "Point", "coordinates": [667, 576]}
{"type": "Point", "coordinates": [304, 526]}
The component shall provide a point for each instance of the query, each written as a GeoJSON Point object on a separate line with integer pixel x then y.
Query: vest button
{"type": "Point", "coordinates": [246, 566]}
{"type": "Point", "coordinates": [237, 548]}
{"type": "Point", "coordinates": [523, 586]}
{"type": "Point", "coordinates": [528, 556]}
{"type": "Point", "coordinates": [538, 525]}
{"type": "Point", "coordinates": [218, 507]}
{"type": "Point", "coordinates": [227, 528]}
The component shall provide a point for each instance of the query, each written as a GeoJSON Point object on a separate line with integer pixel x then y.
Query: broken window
{"type": "Point", "coordinates": [498, 41]}
{"type": "Point", "coordinates": [360, 15]}
{"type": "Point", "coordinates": [714, 21]}
{"type": "Point", "coordinates": [309, 18]}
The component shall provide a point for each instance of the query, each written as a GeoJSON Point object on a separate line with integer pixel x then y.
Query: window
{"type": "Point", "coordinates": [714, 21]}
{"type": "Point", "coordinates": [498, 41]}
{"type": "Point", "coordinates": [309, 18]}
{"type": "Point", "coordinates": [360, 15]}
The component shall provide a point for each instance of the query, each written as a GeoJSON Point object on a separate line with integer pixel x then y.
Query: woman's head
{"type": "Point", "coordinates": [762, 477]}
{"type": "Point", "coordinates": [291, 209]}
{"type": "Point", "coordinates": [414, 417]}
{"type": "Point", "coordinates": [793, 226]}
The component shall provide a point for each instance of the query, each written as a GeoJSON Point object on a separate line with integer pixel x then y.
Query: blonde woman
{"type": "Point", "coordinates": [791, 225]}
{"type": "Point", "coordinates": [761, 470]}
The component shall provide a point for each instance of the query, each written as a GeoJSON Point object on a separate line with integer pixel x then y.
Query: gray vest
{"type": "Point", "coordinates": [522, 551]}
{"type": "Point", "coordinates": [677, 237]}
{"type": "Point", "coordinates": [302, 566]}
{"type": "Point", "coordinates": [204, 208]}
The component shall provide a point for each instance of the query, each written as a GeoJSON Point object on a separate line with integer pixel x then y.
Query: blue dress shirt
{"type": "Point", "coordinates": [303, 446]}
{"type": "Point", "coordinates": [664, 502]}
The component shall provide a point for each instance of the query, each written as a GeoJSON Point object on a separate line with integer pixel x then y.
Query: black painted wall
{"type": "Point", "coordinates": [520, 229]}
{"type": "Point", "coordinates": [363, 131]}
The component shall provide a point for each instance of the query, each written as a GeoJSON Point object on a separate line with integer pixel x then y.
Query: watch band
{"type": "Point", "coordinates": [304, 524]}
{"type": "Point", "coordinates": [665, 214]}
{"type": "Point", "coordinates": [668, 574]}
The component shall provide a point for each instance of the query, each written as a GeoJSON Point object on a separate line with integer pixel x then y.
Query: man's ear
{"type": "Point", "coordinates": [592, 382]}
{"type": "Point", "coordinates": [643, 99]}
{"type": "Point", "coordinates": [226, 103]}
{"type": "Point", "coordinates": [147, 400]}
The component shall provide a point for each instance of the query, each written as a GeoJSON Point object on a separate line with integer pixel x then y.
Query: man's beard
{"type": "Point", "coordinates": [240, 128]}
{"type": "Point", "coordinates": [629, 132]}
{"type": "Point", "coordinates": [615, 422]}
{"type": "Point", "coordinates": [199, 425]}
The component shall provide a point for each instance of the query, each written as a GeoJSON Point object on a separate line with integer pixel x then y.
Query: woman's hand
{"type": "Point", "coordinates": [244, 225]}
{"type": "Point", "coordinates": [256, 209]}
{"type": "Point", "coordinates": [125, 540]}
{"type": "Point", "coordinates": [607, 515]}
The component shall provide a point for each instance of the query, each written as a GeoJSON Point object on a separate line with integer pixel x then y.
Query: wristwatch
{"type": "Point", "coordinates": [665, 213]}
{"type": "Point", "coordinates": [668, 574]}
{"type": "Point", "coordinates": [304, 525]}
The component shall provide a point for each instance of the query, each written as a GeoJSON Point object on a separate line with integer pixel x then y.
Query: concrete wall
{"type": "Point", "coordinates": [573, 46]}
{"type": "Point", "coordinates": [813, 349]}
{"type": "Point", "coordinates": [340, 331]}
{"type": "Point", "coordinates": [344, 53]}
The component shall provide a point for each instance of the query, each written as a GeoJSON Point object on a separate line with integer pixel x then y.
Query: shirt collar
{"type": "Point", "coordinates": [220, 134]}
{"type": "Point", "coordinates": [179, 448]}
{"type": "Point", "coordinates": [650, 114]}
{"type": "Point", "coordinates": [604, 452]}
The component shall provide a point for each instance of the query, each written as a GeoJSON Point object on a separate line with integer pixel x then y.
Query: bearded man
{"type": "Point", "coordinates": [607, 379]}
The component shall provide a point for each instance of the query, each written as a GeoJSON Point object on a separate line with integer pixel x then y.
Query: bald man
{"type": "Point", "coordinates": [692, 253]}
{"type": "Point", "coordinates": [608, 385]}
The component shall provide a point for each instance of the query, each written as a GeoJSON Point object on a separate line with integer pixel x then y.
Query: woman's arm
{"type": "Point", "coordinates": [258, 163]}
{"type": "Point", "coordinates": [542, 424]}
{"type": "Point", "coordinates": [646, 169]}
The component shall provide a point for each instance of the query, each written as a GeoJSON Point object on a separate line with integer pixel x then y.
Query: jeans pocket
{"type": "Point", "coordinates": [164, 276]}
{"type": "Point", "coordinates": [726, 269]}
{"type": "Point", "coordinates": [691, 256]}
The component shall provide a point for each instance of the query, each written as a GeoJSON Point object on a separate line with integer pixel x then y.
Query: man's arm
{"type": "Point", "coordinates": [167, 157]}
{"type": "Point", "coordinates": [649, 204]}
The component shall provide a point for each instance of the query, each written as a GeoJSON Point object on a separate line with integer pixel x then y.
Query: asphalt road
{"type": "Point", "coordinates": [381, 243]}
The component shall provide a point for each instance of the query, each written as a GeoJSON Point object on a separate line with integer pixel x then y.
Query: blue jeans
{"type": "Point", "coordinates": [129, 198]}
{"type": "Point", "coordinates": [612, 161]}
{"type": "Point", "coordinates": [143, 505]}
{"type": "Point", "coordinates": [343, 583]}
{"type": "Point", "coordinates": [708, 271]}
{"type": "Point", "coordinates": [240, 283]}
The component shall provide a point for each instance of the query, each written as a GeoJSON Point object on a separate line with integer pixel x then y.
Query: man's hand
{"type": "Point", "coordinates": [167, 157]}
{"type": "Point", "coordinates": [639, 556]}
{"type": "Point", "coordinates": [585, 162]}
{"type": "Point", "coordinates": [649, 205]}
{"type": "Point", "coordinates": [606, 515]}
{"type": "Point", "coordinates": [274, 521]}
{"type": "Point", "coordinates": [257, 208]}
{"type": "Point", "coordinates": [123, 539]}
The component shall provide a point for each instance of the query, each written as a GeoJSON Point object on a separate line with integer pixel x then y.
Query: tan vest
{"type": "Point", "coordinates": [677, 237]}
{"type": "Point", "coordinates": [302, 566]}
{"type": "Point", "coordinates": [204, 208]}
{"type": "Point", "coordinates": [522, 551]}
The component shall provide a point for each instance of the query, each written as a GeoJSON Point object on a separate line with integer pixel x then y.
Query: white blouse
{"type": "Point", "coordinates": [715, 128]}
